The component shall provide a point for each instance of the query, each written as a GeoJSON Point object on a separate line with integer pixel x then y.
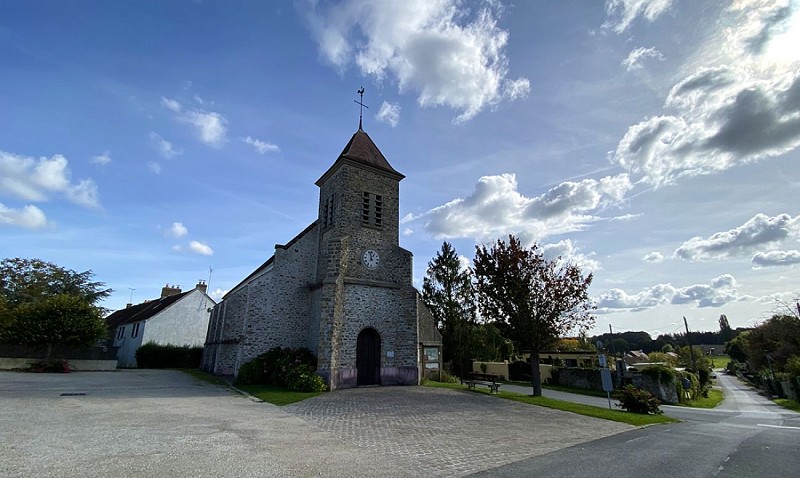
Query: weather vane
{"type": "Point", "coordinates": [361, 111]}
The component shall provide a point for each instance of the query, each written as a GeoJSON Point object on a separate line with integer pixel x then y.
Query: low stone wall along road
{"type": "Point", "coordinates": [152, 423]}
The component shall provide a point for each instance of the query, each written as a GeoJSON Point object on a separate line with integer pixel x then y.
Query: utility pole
{"type": "Point", "coordinates": [611, 341]}
{"type": "Point", "coordinates": [689, 341]}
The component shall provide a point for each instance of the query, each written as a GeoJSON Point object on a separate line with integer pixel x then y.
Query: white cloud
{"type": "Point", "coordinates": [654, 257]}
{"type": "Point", "coordinates": [210, 126]}
{"type": "Point", "coordinates": [102, 159]}
{"type": "Point", "coordinates": [163, 146]}
{"type": "Point", "coordinates": [218, 294]}
{"type": "Point", "coordinates": [638, 55]}
{"type": "Point", "coordinates": [496, 208]}
{"type": "Point", "coordinates": [172, 105]}
{"type": "Point", "coordinates": [30, 217]}
{"type": "Point", "coordinates": [741, 108]}
{"type": "Point", "coordinates": [776, 258]}
{"type": "Point", "coordinates": [154, 166]}
{"type": "Point", "coordinates": [717, 293]}
{"type": "Point", "coordinates": [464, 262]}
{"type": "Point", "coordinates": [569, 253]}
{"type": "Point", "coordinates": [262, 147]}
{"type": "Point", "coordinates": [446, 55]}
{"type": "Point", "coordinates": [408, 231]}
{"type": "Point", "coordinates": [624, 12]}
{"type": "Point", "coordinates": [33, 180]}
{"type": "Point", "coordinates": [177, 230]}
{"type": "Point", "coordinates": [759, 232]}
{"type": "Point", "coordinates": [200, 248]}
{"type": "Point", "coordinates": [389, 113]}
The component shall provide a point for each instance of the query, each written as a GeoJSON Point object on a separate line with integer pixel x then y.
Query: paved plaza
{"type": "Point", "coordinates": [165, 423]}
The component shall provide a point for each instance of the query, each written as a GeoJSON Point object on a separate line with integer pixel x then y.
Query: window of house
{"type": "Point", "coordinates": [121, 333]}
{"type": "Point", "coordinates": [135, 330]}
{"type": "Point", "coordinates": [372, 209]}
{"type": "Point", "coordinates": [327, 212]}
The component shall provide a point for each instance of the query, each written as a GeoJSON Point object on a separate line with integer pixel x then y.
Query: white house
{"type": "Point", "coordinates": [177, 318]}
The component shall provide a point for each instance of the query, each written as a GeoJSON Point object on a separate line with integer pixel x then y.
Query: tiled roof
{"type": "Point", "coordinates": [143, 311]}
{"type": "Point", "coordinates": [361, 149]}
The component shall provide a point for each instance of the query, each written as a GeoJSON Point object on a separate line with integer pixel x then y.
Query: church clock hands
{"type": "Point", "coordinates": [370, 259]}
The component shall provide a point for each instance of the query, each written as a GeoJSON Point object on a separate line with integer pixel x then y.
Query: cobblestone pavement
{"type": "Point", "coordinates": [441, 432]}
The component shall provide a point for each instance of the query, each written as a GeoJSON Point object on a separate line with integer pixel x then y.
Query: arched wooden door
{"type": "Point", "coordinates": [368, 357]}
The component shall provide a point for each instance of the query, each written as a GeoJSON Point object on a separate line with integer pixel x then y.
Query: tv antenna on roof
{"type": "Point", "coordinates": [361, 111]}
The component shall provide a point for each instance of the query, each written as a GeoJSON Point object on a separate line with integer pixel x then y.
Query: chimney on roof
{"type": "Point", "coordinates": [128, 305]}
{"type": "Point", "coordinates": [202, 286]}
{"type": "Point", "coordinates": [169, 290]}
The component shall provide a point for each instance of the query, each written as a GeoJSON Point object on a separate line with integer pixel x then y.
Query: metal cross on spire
{"type": "Point", "coordinates": [361, 111]}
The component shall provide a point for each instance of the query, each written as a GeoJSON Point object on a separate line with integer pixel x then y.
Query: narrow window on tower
{"type": "Point", "coordinates": [372, 209]}
{"type": "Point", "coordinates": [327, 212]}
{"type": "Point", "coordinates": [365, 209]}
{"type": "Point", "coordinates": [378, 211]}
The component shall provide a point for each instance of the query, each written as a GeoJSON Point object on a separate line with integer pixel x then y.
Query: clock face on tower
{"type": "Point", "coordinates": [370, 259]}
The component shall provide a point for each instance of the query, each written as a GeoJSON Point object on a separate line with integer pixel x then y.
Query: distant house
{"type": "Point", "coordinates": [177, 318]}
{"type": "Point", "coordinates": [635, 356]}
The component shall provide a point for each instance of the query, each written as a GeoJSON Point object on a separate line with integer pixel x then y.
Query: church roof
{"type": "Point", "coordinates": [361, 149]}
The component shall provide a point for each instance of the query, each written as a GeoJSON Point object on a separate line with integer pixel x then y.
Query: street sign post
{"type": "Point", "coordinates": [605, 377]}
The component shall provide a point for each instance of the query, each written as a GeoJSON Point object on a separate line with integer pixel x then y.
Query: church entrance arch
{"type": "Point", "coordinates": [368, 357]}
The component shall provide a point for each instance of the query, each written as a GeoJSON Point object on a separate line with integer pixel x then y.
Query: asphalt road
{"type": "Point", "coordinates": [746, 436]}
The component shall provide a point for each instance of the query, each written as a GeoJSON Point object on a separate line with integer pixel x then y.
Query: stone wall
{"type": "Point", "coordinates": [585, 378]}
{"type": "Point", "coordinates": [666, 392]}
{"type": "Point", "coordinates": [392, 313]}
{"type": "Point", "coordinates": [272, 309]}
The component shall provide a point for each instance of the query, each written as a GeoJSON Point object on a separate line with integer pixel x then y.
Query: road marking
{"type": "Point", "coordinates": [778, 426]}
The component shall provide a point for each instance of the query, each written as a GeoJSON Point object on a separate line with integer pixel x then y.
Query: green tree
{"type": "Point", "coordinates": [61, 320]}
{"type": "Point", "coordinates": [778, 337]}
{"type": "Point", "coordinates": [45, 305]}
{"type": "Point", "coordinates": [27, 280]}
{"type": "Point", "coordinates": [725, 331]}
{"type": "Point", "coordinates": [736, 348]}
{"type": "Point", "coordinates": [535, 299]}
{"type": "Point", "coordinates": [447, 291]}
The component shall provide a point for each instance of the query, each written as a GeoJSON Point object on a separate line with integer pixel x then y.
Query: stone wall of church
{"type": "Point", "coordinates": [272, 310]}
{"type": "Point", "coordinates": [280, 304]}
{"type": "Point", "coordinates": [390, 311]}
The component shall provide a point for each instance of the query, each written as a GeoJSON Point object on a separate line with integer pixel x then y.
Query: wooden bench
{"type": "Point", "coordinates": [486, 379]}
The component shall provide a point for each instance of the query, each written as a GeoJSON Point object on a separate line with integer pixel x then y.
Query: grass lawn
{"type": "Point", "coordinates": [561, 388]}
{"type": "Point", "coordinates": [788, 403]}
{"type": "Point", "coordinates": [205, 376]}
{"type": "Point", "coordinates": [587, 410]}
{"type": "Point", "coordinates": [268, 393]}
{"type": "Point", "coordinates": [720, 361]}
{"type": "Point", "coordinates": [276, 395]}
{"type": "Point", "coordinates": [714, 398]}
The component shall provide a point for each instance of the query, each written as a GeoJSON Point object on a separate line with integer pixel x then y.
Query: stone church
{"type": "Point", "coordinates": [342, 287]}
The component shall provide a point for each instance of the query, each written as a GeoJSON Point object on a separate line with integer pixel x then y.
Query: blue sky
{"type": "Point", "coordinates": [653, 142]}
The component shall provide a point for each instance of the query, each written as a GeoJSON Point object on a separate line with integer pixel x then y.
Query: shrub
{"type": "Point", "coordinates": [292, 369]}
{"type": "Point", "coordinates": [151, 355]}
{"type": "Point", "coordinates": [660, 373]}
{"type": "Point", "coordinates": [251, 373]}
{"type": "Point", "coordinates": [637, 400]}
{"type": "Point", "coordinates": [50, 366]}
{"type": "Point", "coordinates": [300, 379]}
{"type": "Point", "coordinates": [447, 378]}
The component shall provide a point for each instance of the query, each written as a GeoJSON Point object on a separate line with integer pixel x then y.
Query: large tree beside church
{"type": "Point", "coordinates": [44, 305]}
{"type": "Point", "coordinates": [447, 291]}
{"type": "Point", "coordinates": [537, 300]}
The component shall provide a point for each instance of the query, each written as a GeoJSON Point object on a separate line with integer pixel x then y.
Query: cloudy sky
{"type": "Point", "coordinates": [653, 142]}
